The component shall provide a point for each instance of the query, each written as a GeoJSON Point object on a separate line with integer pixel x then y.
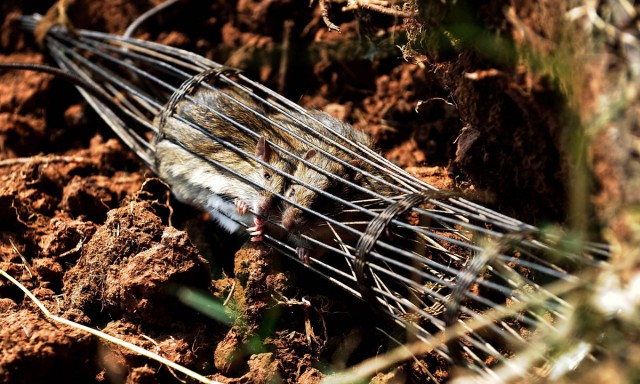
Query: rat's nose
{"type": "Point", "coordinates": [291, 218]}
{"type": "Point", "coordinates": [264, 204]}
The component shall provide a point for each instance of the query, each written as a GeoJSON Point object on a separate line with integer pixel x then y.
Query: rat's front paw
{"type": "Point", "coordinates": [257, 230]}
{"type": "Point", "coordinates": [241, 206]}
{"type": "Point", "coordinates": [303, 254]}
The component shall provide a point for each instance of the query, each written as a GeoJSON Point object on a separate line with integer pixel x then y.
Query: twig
{"type": "Point", "coordinates": [324, 10]}
{"type": "Point", "coordinates": [420, 103]}
{"type": "Point", "coordinates": [479, 75]}
{"type": "Point", "coordinates": [44, 159]}
{"type": "Point", "coordinates": [24, 261]}
{"type": "Point", "coordinates": [368, 5]}
{"type": "Point", "coordinates": [75, 249]}
{"type": "Point", "coordinates": [306, 304]}
{"type": "Point", "coordinates": [104, 336]}
{"type": "Point", "coordinates": [173, 373]}
{"type": "Point", "coordinates": [233, 287]}
{"type": "Point", "coordinates": [167, 202]}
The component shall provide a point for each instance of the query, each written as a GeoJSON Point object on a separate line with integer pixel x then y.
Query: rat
{"type": "Point", "coordinates": [227, 197]}
{"type": "Point", "coordinates": [298, 222]}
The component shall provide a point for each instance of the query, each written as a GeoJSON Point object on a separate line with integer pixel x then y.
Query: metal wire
{"type": "Point", "coordinates": [417, 269]}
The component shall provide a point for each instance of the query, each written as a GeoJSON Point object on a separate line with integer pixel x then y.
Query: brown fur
{"type": "Point", "coordinates": [298, 222]}
{"type": "Point", "coordinates": [193, 179]}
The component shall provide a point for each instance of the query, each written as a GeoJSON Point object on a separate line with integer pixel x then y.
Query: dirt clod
{"type": "Point", "coordinates": [29, 341]}
{"type": "Point", "coordinates": [131, 264]}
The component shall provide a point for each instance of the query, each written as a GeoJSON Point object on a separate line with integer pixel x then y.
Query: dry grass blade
{"type": "Point", "coordinates": [43, 160]}
{"type": "Point", "coordinates": [24, 260]}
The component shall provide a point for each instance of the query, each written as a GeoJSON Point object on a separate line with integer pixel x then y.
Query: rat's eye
{"type": "Point", "coordinates": [267, 176]}
{"type": "Point", "coordinates": [292, 192]}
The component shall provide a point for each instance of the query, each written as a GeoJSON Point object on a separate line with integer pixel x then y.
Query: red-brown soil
{"type": "Point", "coordinates": [89, 231]}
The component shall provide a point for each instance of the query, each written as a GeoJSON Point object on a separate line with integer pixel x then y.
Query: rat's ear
{"type": "Point", "coordinates": [309, 154]}
{"type": "Point", "coordinates": [263, 149]}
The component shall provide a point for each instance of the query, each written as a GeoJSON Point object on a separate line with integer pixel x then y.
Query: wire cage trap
{"type": "Point", "coordinates": [423, 258]}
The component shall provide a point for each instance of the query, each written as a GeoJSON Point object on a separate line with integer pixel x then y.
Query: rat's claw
{"type": "Point", "coordinates": [303, 254]}
{"type": "Point", "coordinates": [241, 206]}
{"type": "Point", "coordinates": [257, 230]}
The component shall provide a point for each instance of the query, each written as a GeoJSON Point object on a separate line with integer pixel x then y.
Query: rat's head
{"type": "Point", "coordinates": [294, 219]}
{"type": "Point", "coordinates": [272, 181]}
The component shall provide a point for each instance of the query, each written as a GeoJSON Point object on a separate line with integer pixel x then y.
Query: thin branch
{"type": "Point", "coordinates": [324, 10]}
{"type": "Point", "coordinates": [44, 160]}
{"type": "Point", "coordinates": [371, 6]}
